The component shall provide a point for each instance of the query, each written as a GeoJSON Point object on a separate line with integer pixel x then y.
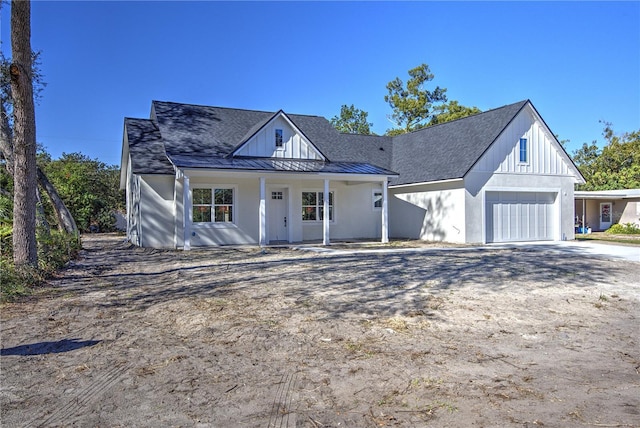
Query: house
{"type": "Point", "coordinates": [202, 176]}
{"type": "Point", "coordinates": [598, 210]}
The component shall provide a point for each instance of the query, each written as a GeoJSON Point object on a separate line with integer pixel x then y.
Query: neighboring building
{"type": "Point", "coordinates": [599, 209]}
{"type": "Point", "coordinates": [200, 176]}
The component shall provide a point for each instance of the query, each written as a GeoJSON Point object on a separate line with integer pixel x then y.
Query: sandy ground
{"type": "Point", "coordinates": [131, 337]}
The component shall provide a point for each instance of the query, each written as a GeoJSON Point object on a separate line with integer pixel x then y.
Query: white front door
{"type": "Point", "coordinates": [278, 221]}
{"type": "Point", "coordinates": [605, 215]}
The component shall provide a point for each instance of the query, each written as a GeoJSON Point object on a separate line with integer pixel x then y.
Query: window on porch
{"type": "Point", "coordinates": [313, 206]}
{"type": "Point", "coordinates": [213, 205]}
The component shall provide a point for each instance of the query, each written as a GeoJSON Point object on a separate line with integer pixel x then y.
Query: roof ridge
{"type": "Point", "coordinates": [465, 117]}
{"type": "Point", "coordinates": [236, 108]}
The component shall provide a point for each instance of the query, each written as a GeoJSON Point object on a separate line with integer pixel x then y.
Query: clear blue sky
{"type": "Point", "coordinates": [578, 62]}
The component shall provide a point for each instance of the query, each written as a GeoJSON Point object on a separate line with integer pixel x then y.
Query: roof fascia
{"type": "Point", "coordinates": [497, 137]}
{"type": "Point", "coordinates": [423, 183]}
{"type": "Point", "coordinates": [581, 179]}
{"type": "Point", "coordinates": [124, 157]}
{"type": "Point", "coordinates": [279, 113]}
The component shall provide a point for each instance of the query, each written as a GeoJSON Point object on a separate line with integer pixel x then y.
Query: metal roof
{"type": "Point", "coordinates": [277, 165]}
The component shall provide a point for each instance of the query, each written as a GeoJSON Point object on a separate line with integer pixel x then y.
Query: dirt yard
{"type": "Point", "coordinates": [465, 337]}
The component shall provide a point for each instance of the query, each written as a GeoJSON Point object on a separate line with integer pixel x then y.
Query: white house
{"type": "Point", "coordinates": [202, 176]}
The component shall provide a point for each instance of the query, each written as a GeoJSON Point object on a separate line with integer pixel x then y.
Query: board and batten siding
{"type": "Point", "coordinates": [295, 146]}
{"type": "Point", "coordinates": [544, 155]}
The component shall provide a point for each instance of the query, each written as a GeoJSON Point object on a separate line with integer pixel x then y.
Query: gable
{"type": "Point", "coordinates": [448, 150]}
{"type": "Point", "coordinates": [278, 138]}
{"type": "Point", "coordinates": [543, 154]}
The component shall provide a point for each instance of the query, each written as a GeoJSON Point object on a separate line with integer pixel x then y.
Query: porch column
{"type": "Point", "coordinates": [584, 214]}
{"type": "Point", "coordinates": [385, 213]}
{"type": "Point", "coordinates": [263, 213]}
{"type": "Point", "coordinates": [186, 212]}
{"type": "Point", "coordinates": [325, 218]}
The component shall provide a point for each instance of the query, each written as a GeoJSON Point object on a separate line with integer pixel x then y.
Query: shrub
{"type": "Point", "coordinates": [624, 229]}
{"type": "Point", "coordinates": [54, 250]}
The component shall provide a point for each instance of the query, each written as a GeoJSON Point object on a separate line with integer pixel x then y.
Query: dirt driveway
{"type": "Point", "coordinates": [282, 338]}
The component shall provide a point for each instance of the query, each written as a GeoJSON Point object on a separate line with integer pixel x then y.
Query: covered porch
{"type": "Point", "coordinates": [275, 207]}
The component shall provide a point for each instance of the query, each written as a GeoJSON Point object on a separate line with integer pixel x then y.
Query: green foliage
{"type": "Point", "coordinates": [412, 104]}
{"type": "Point", "coordinates": [88, 187]}
{"type": "Point", "coordinates": [352, 121]}
{"type": "Point", "coordinates": [55, 249]}
{"type": "Point", "coordinates": [624, 229]}
{"type": "Point", "coordinates": [616, 166]}
{"type": "Point", "coordinates": [451, 111]}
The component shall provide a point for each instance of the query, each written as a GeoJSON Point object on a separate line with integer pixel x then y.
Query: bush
{"type": "Point", "coordinates": [624, 229]}
{"type": "Point", "coordinates": [54, 251]}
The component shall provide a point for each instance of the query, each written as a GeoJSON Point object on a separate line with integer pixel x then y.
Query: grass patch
{"type": "Point", "coordinates": [633, 240]}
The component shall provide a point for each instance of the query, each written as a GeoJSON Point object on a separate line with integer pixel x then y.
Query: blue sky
{"type": "Point", "coordinates": [578, 62]}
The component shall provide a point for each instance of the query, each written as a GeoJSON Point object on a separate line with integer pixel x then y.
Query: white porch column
{"type": "Point", "coordinates": [263, 213]}
{"type": "Point", "coordinates": [186, 211]}
{"type": "Point", "coordinates": [385, 213]}
{"type": "Point", "coordinates": [325, 218]}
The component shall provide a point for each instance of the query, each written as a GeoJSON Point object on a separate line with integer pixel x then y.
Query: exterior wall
{"type": "Point", "coordinates": [354, 214]}
{"type": "Point", "coordinates": [548, 169]}
{"type": "Point", "coordinates": [246, 204]}
{"type": "Point", "coordinates": [433, 212]}
{"type": "Point", "coordinates": [294, 145]}
{"type": "Point", "coordinates": [156, 211]}
{"type": "Point", "coordinates": [629, 211]}
{"type": "Point", "coordinates": [475, 201]}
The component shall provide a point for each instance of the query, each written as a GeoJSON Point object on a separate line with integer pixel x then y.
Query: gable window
{"type": "Point", "coordinates": [213, 205]}
{"type": "Point", "coordinates": [377, 199]}
{"type": "Point", "coordinates": [313, 206]}
{"type": "Point", "coordinates": [278, 136]}
{"type": "Point", "coordinates": [524, 154]}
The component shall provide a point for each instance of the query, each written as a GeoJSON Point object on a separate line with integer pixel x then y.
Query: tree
{"type": "Point", "coordinates": [89, 188]}
{"type": "Point", "coordinates": [24, 138]}
{"type": "Point", "coordinates": [412, 104]}
{"type": "Point", "coordinates": [65, 220]}
{"type": "Point", "coordinates": [616, 166]}
{"type": "Point", "coordinates": [451, 111]}
{"type": "Point", "coordinates": [352, 121]}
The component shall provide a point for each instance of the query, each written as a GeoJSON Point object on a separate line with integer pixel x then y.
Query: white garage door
{"type": "Point", "coordinates": [520, 216]}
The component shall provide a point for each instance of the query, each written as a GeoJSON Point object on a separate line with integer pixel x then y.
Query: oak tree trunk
{"type": "Point", "coordinates": [24, 138]}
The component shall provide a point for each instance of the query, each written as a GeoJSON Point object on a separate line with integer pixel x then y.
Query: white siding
{"type": "Point", "coordinates": [545, 155]}
{"type": "Point", "coordinates": [295, 146]}
{"type": "Point", "coordinates": [156, 211]}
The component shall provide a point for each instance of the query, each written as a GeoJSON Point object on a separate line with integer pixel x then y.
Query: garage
{"type": "Point", "coordinates": [520, 216]}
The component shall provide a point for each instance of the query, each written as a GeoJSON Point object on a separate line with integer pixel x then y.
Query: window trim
{"type": "Point", "coordinates": [318, 221]}
{"type": "Point", "coordinates": [278, 138]}
{"type": "Point", "coordinates": [213, 223]}
{"type": "Point", "coordinates": [525, 151]}
{"type": "Point", "coordinates": [373, 199]}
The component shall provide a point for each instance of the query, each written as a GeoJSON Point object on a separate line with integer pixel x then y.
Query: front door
{"type": "Point", "coordinates": [278, 221]}
{"type": "Point", "coordinates": [605, 215]}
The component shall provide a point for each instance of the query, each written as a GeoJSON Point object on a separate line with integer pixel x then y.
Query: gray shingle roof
{"type": "Point", "coordinates": [449, 150]}
{"type": "Point", "coordinates": [201, 136]}
{"type": "Point", "coordinates": [146, 148]}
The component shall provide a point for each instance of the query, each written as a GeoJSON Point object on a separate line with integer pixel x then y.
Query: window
{"type": "Point", "coordinates": [276, 195]}
{"type": "Point", "coordinates": [377, 199]}
{"type": "Point", "coordinates": [524, 158]}
{"type": "Point", "coordinates": [213, 205]}
{"type": "Point", "coordinates": [278, 136]}
{"type": "Point", "coordinates": [313, 206]}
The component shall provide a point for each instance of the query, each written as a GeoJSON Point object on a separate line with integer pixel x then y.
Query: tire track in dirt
{"type": "Point", "coordinates": [281, 408]}
{"type": "Point", "coordinates": [62, 414]}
